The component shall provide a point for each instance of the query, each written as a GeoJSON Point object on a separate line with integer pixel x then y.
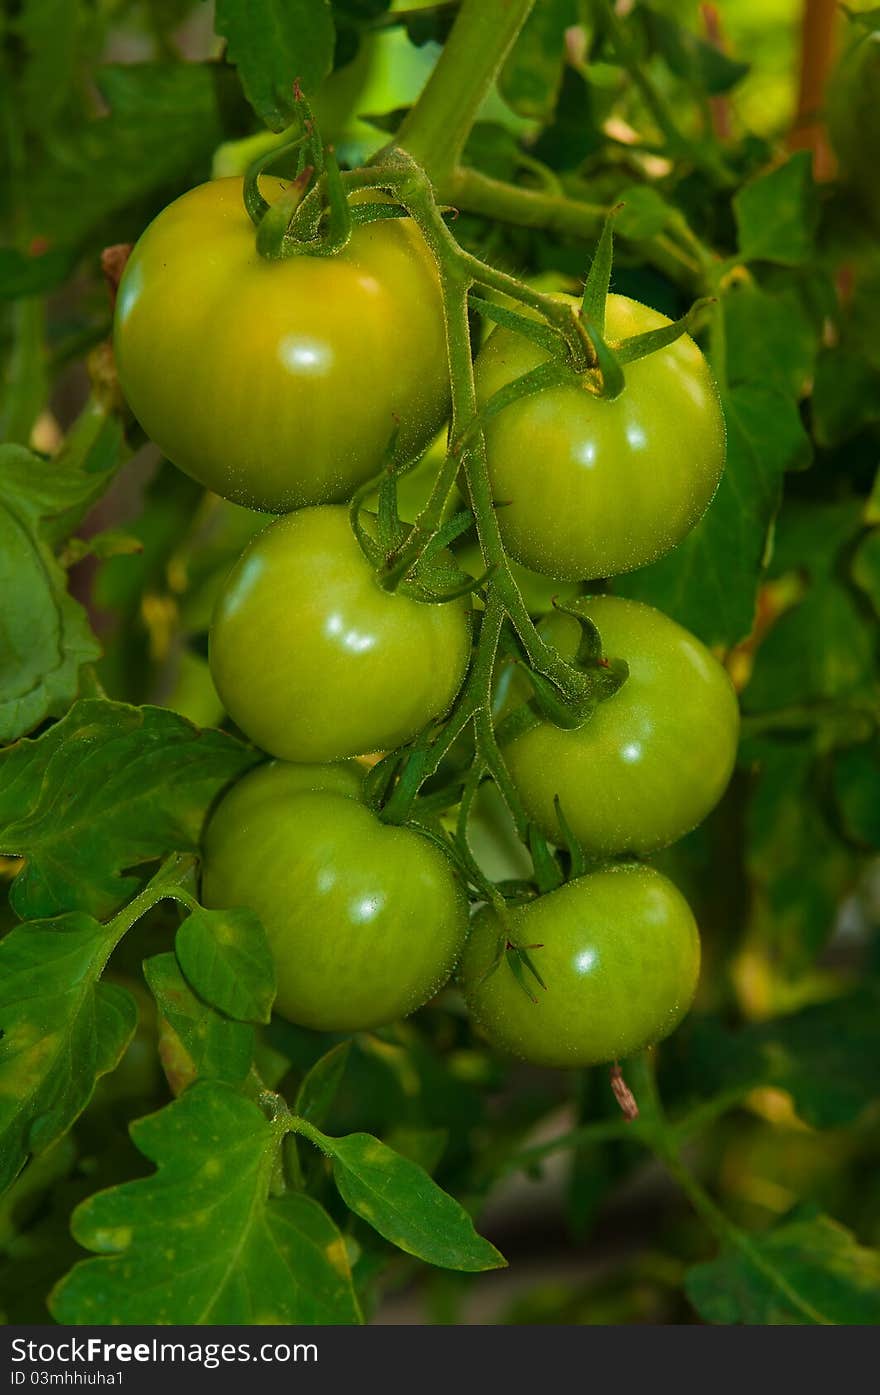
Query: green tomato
{"type": "Point", "coordinates": [314, 661]}
{"type": "Point", "coordinates": [654, 759]}
{"type": "Point", "coordinates": [619, 953]}
{"type": "Point", "coordinates": [279, 383]}
{"type": "Point", "coordinates": [596, 487]}
{"type": "Point", "coordinates": [366, 921]}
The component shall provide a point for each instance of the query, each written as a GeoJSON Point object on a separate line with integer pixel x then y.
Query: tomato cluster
{"type": "Point", "coordinates": [286, 385]}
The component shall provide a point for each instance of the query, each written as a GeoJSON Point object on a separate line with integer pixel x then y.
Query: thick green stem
{"type": "Point", "coordinates": [436, 129]}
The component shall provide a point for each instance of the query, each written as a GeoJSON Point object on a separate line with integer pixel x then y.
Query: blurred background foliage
{"type": "Point", "coordinates": [111, 108]}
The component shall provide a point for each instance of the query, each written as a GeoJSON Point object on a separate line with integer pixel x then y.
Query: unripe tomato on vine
{"type": "Point", "coordinates": [593, 487]}
{"type": "Point", "coordinates": [278, 383]}
{"type": "Point", "coordinates": [616, 956]}
{"type": "Point", "coordinates": [365, 921]}
{"type": "Point", "coordinates": [654, 759]}
{"type": "Point", "coordinates": [314, 661]}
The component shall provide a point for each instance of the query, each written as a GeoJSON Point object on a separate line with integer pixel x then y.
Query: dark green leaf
{"type": "Point", "coordinates": [826, 1056]}
{"type": "Point", "coordinates": [846, 395]}
{"type": "Point", "coordinates": [399, 1199]}
{"type": "Point", "coordinates": [317, 1092]}
{"type": "Point", "coordinates": [808, 1269]}
{"type": "Point", "coordinates": [201, 1241]}
{"type": "Point", "coordinates": [857, 788]}
{"type": "Point", "coordinates": [61, 1029]}
{"type": "Point", "coordinates": [532, 75]}
{"type": "Point", "coordinates": [644, 214]}
{"type": "Point", "coordinates": [866, 567]}
{"type": "Point", "coordinates": [45, 637]}
{"type": "Point", "coordinates": [770, 339]}
{"type": "Point", "coordinates": [275, 43]}
{"type": "Point", "coordinates": [226, 958]}
{"type": "Point", "coordinates": [710, 582]}
{"type": "Point", "coordinates": [690, 57]}
{"type": "Point", "coordinates": [205, 1044]}
{"type": "Point", "coordinates": [776, 214]}
{"type": "Point", "coordinates": [106, 788]}
{"type": "Point", "coordinates": [799, 870]}
{"type": "Point", "coordinates": [164, 122]}
{"type": "Point", "coordinates": [824, 647]}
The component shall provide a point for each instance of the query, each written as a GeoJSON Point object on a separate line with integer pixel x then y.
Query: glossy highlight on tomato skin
{"type": "Point", "coordinates": [593, 487]}
{"type": "Point", "coordinates": [279, 383]}
{"type": "Point", "coordinates": [314, 661]}
{"type": "Point", "coordinates": [365, 920]}
{"type": "Point", "coordinates": [654, 759]}
{"type": "Point", "coordinates": [619, 952]}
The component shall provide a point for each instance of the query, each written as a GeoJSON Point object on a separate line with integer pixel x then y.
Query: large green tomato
{"type": "Point", "coordinates": [619, 953]}
{"type": "Point", "coordinates": [366, 921]}
{"type": "Point", "coordinates": [279, 383]}
{"type": "Point", "coordinates": [591, 487]}
{"type": "Point", "coordinates": [314, 661]}
{"type": "Point", "coordinates": [654, 759]}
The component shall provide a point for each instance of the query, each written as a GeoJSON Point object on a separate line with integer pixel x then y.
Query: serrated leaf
{"type": "Point", "coordinates": [808, 1269]}
{"type": "Point", "coordinates": [108, 787]}
{"type": "Point", "coordinates": [710, 582]}
{"type": "Point", "coordinates": [226, 958]}
{"type": "Point", "coordinates": [317, 1092]}
{"type": "Point", "coordinates": [399, 1200]}
{"type": "Point", "coordinates": [61, 1029]}
{"type": "Point", "coordinates": [201, 1240]}
{"type": "Point", "coordinates": [274, 43]}
{"type": "Point", "coordinates": [531, 77]}
{"type": "Point", "coordinates": [204, 1045]}
{"type": "Point", "coordinates": [777, 213]}
{"type": "Point", "coordinates": [45, 637]}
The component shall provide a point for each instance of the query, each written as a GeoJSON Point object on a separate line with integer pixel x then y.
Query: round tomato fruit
{"type": "Point", "coordinates": [279, 383]}
{"type": "Point", "coordinates": [314, 661]}
{"type": "Point", "coordinates": [619, 953]}
{"type": "Point", "coordinates": [654, 759]}
{"type": "Point", "coordinates": [365, 920]}
{"type": "Point", "coordinates": [593, 488]}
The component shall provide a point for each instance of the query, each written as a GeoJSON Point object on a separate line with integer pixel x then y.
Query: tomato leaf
{"type": "Point", "coordinates": [164, 122]}
{"type": "Point", "coordinates": [106, 788]}
{"type": "Point", "coordinates": [226, 958]}
{"type": "Point", "coordinates": [808, 1269]}
{"type": "Point", "coordinates": [777, 213]}
{"type": "Point", "coordinates": [45, 637]}
{"type": "Point", "coordinates": [318, 1088]}
{"type": "Point", "coordinates": [275, 43]}
{"type": "Point", "coordinates": [201, 1240]}
{"type": "Point", "coordinates": [399, 1199]}
{"type": "Point", "coordinates": [531, 78]}
{"type": "Point", "coordinates": [194, 1040]}
{"type": "Point", "coordinates": [61, 1029]}
{"type": "Point", "coordinates": [710, 582]}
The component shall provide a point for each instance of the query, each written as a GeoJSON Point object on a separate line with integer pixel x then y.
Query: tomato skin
{"type": "Point", "coordinates": [278, 384]}
{"type": "Point", "coordinates": [314, 661]}
{"type": "Point", "coordinates": [619, 952]}
{"type": "Point", "coordinates": [366, 921]}
{"type": "Point", "coordinates": [654, 759]}
{"type": "Point", "coordinates": [597, 488]}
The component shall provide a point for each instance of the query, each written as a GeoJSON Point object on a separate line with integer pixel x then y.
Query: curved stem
{"type": "Point", "coordinates": [437, 127]}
